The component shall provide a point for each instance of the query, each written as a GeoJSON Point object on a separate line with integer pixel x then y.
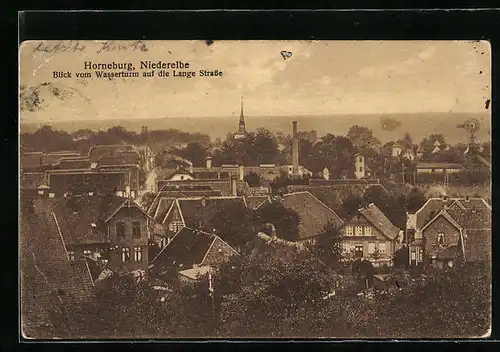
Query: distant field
{"type": "Point", "coordinates": [418, 125]}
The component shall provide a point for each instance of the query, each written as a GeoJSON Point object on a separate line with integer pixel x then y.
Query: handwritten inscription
{"type": "Point", "coordinates": [60, 47]}
{"type": "Point", "coordinates": [76, 46]}
{"type": "Point", "coordinates": [111, 46]}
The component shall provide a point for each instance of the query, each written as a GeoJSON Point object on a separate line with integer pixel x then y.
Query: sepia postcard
{"type": "Point", "coordinates": [255, 189]}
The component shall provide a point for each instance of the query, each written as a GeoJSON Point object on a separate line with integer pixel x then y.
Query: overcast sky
{"type": "Point", "coordinates": [321, 77]}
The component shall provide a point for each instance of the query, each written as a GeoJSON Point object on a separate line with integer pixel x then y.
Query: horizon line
{"type": "Point", "coordinates": [269, 115]}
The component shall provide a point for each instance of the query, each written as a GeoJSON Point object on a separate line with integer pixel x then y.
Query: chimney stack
{"type": "Point", "coordinates": [234, 192]}
{"type": "Point", "coordinates": [295, 150]}
{"type": "Point", "coordinates": [241, 173]}
{"type": "Point", "coordinates": [209, 162]}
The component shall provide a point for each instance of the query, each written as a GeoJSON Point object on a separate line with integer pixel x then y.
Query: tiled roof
{"type": "Point", "coordinates": [31, 161]}
{"type": "Point", "coordinates": [77, 163]}
{"type": "Point", "coordinates": [341, 182]}
{"type": "Point", "coordinates": [478, 245]}
{"type": "Point", "coordinates": [434, 205]}
{"type": "Point", "coordinates": [164, 205]}
{"type": "Point", "coordinates": [51, 159]}
{"type": "Point", "coordinates": [472, 219]}
{"type": "Point", "coordinates": [188, 247]}
{"type": "Point", "coordinates": [378, 219]}
{"type": "Point", "coordinates": [96, 152]}
{"type": "Point", "coordinates": [427, 165]}
{"type": "Point", "coordinates": [313, 213]}
{"type": "Point", "coordinates": [85, 180]}
{"type": "Point", "coordinates": [196, 214]}
{"type": "Point", "coordinates": [45, 266]}
{"type": "Point", "coordinates": [77, 214]}
{"type": "Point", "coordinates": [253, 202]}
{"type": "Point", "coordinates": [121, 158]}
{"type": "Point", "coordinates": [222, 185]}
{"type": "Point", "coordinates": [171, 195]}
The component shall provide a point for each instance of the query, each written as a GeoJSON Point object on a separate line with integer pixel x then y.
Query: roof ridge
{"type": "Point", "coordinates": [447, 216]}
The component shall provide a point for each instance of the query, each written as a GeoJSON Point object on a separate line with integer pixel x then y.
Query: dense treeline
{"type": "Point", "coordinates": [335, 152]}
{"type": "Point", "coordinates": [47, 139]}
{"type": "Point", "coordinates": [291, 294]}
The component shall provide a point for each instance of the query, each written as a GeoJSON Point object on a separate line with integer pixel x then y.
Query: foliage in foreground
{"type": "Point", "coordinates": [282, 293]}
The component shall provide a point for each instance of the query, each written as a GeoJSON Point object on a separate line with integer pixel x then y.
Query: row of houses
{"type": "Point", "coordinates": [71, 244]}
{"type": "Point", "coordinates": [106, 169]}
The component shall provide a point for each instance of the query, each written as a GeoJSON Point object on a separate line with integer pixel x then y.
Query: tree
{"type": "Point", "coordinates": [407, 141]}
{"type": "Point", "coordinates": [286, 221]}
{"type": "Point", "coordinates": [256, 148]}
{"type": "Point", "coordinates": [328, 246]}
{"type": "Point", "coordinates": [273, 295]}
{"type": "Point", "coordinates": [401, 258]}
{"type": "Point", "coordinates": [416, 199]}
{"type": "Point", "coordinates": [233, 223]}
{"type": "Point", "coordinates": [195, 153]}
{"type": "Point", "coordinates": [351, 205]}
{"type": "Point", "coordinates": [362, 137]}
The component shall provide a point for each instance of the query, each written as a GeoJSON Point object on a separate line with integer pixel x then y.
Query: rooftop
{"type": "Point", "coordinates": [314, 214]}
{"type": "Point", "coordinates": [378, 219]}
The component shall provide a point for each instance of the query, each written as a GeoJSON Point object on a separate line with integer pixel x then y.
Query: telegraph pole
{"type": "Point", "coordinates": [403, 170]}
{"type": "Point", "coordinates": [211, 293]}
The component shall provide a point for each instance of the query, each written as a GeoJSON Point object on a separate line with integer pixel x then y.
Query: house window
{"type": "Point", "coordinates": [358, 251]}
{"type": "Point", "coordinates": [125, 254]}
{"type": "Point", "coordinates": [382, 247]}
{"type": "Point", "coordinates": [182, 177]}
{"type": "Point", "coordinates": [71, 255]}
{"type": "Point", "coordinates": [368, 230]}
{"type": "Point", "coordinates": [371, 248]}
{"type": "Point", "coordinates": [360, 159]}
{"type": "Point", "coordinates": [359, 230]}
{"type": "Point", "coordinates": [120, 229]}
{"type": "Point", "coordinates": [413, 255]}
{"type": "Point", "coordinates": [175, 226]}
{"type": "Point", "coordinates": [349, 231]}
{"type": "Point", "coordinates": [137, 254]}
{"type": "Point", "coordinates": [136, 229]}
{"type": "Point", "coordinates": [87, 252]}
{"type": "Point", "coordinates": [440, 239]}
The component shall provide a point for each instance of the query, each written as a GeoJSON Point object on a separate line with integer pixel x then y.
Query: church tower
{"type": "Point", "coordinates": [242, 132]}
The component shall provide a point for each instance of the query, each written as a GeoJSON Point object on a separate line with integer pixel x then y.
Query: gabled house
{"type": "Point", "coordinates": [445, 229]}
{"type": "Point", "coordinates": [190, 249]}
{"type": "Point", "coordinates": [173, 214]}
{"type": "Point", "coordinates": [371, 235]}
{"type": "Point", "coordinates": [112, 230]}
{"type": "Point", "coordinates": [314, 214]}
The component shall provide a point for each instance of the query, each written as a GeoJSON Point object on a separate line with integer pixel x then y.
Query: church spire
{"type": "Point", "coordinates": [241, 127]}
{"type": "Point", "coordinates": [242, 117]}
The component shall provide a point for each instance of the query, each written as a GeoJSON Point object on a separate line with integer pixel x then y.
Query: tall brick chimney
{"type": "Point", "coordinates": [295, 150]}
